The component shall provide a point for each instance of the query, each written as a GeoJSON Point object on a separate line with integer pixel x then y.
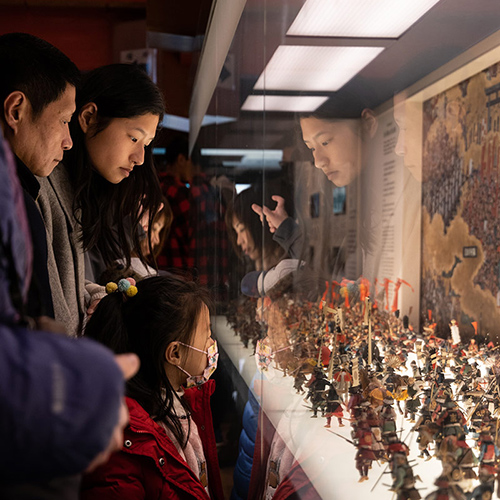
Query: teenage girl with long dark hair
{"type": "Point", "coordinates": [106, 189]}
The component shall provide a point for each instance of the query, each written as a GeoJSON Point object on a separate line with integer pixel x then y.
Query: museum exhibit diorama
{"type": "Point", "coordinates": [363, 139]}
{"type": "Point", "coordinates": [343, 209]}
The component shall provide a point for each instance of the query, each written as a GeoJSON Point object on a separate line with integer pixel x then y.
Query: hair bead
{"type": "Point", "coordinates": [124, 285]}
{"type": "Point", "coordinates": [111, 287]}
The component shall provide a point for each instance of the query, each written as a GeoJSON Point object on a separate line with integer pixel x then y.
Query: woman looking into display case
{"type": "Point", "coordinates": [98, 198]}
{"type": "Point", "coordinates": [335, 143]}
{"type": "Point", "coordinates": [339, 148]}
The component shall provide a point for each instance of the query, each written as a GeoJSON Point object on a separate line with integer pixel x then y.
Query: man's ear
{"type": "Point", "coordinates": [15, 107]}
{"type": "Point", "coordinates": [369, 123]}
{"type": "Point", "coordinates": [87, 117]}
{"type": "Point", "coordinates": [172, 354]}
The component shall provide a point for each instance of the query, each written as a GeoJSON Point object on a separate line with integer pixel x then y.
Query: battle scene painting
{"type": "Point", "coordinates": [460, 207]}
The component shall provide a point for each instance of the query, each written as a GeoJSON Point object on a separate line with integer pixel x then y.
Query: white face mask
{"type": "Point", "coordinates": [212, 357]}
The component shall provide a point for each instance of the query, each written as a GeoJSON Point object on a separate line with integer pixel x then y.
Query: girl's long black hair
{"type": "Point", "coordinates": [165, 309]}
{"type": "Point", "coordinates": [110, 214]}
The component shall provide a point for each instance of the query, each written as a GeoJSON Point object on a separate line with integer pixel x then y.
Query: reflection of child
{"type": "Point", "coordinates": [157, 233]}
{"type": "Point", "coordinates": [169, 448]}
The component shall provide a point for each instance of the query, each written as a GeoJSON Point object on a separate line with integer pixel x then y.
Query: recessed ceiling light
{"type": "Point", "coordinates": [309, 68]}
{"type": "Point", "coordinates": [275, 154]}
{"type": "Point", "coordinates": [358, 18]}
{"type": "Point", "coordinates": [291, 104]}
{"type": "Point", "coordinates": [181, 123]}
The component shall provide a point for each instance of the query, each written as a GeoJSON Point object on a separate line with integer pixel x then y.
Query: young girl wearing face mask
{"type": "Point", "coordinates": [169, 447]}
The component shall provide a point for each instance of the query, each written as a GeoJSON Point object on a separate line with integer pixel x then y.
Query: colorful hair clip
{"type": "Point", "coordinates": [126, 286]}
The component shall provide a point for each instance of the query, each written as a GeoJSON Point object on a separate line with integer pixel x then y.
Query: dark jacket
{"type": "Point", "coordinates": [149, 465]}
{"type": "Point", "coordinates": [40, 297]}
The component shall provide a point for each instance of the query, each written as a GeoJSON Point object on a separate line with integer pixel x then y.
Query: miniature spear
{"type": "Point", "coordinates": [386, 287]}
{"type": "Point", "coordinates": [397, 286]}
{"type": "Point", "coordinates": [340, 436]}
{"type": "Point", "coordinates": [368, 320]}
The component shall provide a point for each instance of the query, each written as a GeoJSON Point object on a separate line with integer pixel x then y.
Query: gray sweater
{"type": "Point", "coordinates": [65, 252]}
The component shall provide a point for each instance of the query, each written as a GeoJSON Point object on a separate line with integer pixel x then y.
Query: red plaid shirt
{"type": "Point", "coordinates": [209, 245]}
{"type": "Point", "coordinates": [198, 240]}
{"type": "Point", "coordinates": [176, 251]}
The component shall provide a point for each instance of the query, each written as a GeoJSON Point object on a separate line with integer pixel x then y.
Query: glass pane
{"type": "Point", "coordinates": [360, 168]}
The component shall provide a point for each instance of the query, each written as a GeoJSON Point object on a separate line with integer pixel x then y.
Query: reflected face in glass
{"type": "Point", "coordinates": [245, 241]}
{"type": "Point", "coordinates": [335, 146]}
{"type": "Point", "coordinates": [155, 236]}
{"type": "Point", "coordinates": [119, 148]}
{"type": "Point", "coordinates": [407, 144]}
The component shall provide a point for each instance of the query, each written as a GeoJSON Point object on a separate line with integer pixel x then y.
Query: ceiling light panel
{"type": "Point", "coordinates": [306, 68]}
{"type": "Point", "coordinates": [358, 18]}
{"type": "Point", "coordinates": [291, 104]}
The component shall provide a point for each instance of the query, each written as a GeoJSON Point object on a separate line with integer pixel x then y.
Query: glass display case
{"type": "Point", "coordinates": [356, 146]}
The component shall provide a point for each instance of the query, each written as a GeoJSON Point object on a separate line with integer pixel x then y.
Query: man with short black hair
{"type": "Point", "coordinates": [37, 93]}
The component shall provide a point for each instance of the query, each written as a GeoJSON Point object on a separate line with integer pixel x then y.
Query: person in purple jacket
{"type": "Point", "coordinates": [61, 400]}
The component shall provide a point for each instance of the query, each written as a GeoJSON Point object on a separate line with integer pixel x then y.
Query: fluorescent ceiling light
{"type": "Point", "coordinates": [249, 158]}
{"type": "Point", "coordinates": [181, 123]}
{"type": "Point", "coordinates": [252, 164]}
{"type": "Point", "coordinates": [291, 104]}
{"type": "Point", "coordinates": [241, 187]}
{"type": "Point", "coordinates": [174, 122]}
{"type": "Point", "coordinates": [253, 153]}
{"type": "Point", "coordinates": [306, 68]}
{"type": "Point", "coordinates": [358, 18]}
{"type": "Point", "coordinates": [216, 120]}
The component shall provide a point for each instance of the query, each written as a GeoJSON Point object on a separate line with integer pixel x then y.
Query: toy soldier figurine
{"type": "Point", "coordinates": [451, 420]}
{"type": "Point", "coordinates": [388, 417]}
{"type": "Point", "coordinates": [455, 333]}
{"type": "Point", "coordinates": [446, 491]}
{"type": "Point", "coordinates": [343, 381]}
{"type": "Point", "coordinates": [403, 478]}
{"type": "Point", "coordinates": [333, 407]}
{"type": "Point", "coordinates": [317, 390]}
{"type": "Point", "coordinates": [413, 402]}
{"type": "Point", "coordinates": [425, 428]}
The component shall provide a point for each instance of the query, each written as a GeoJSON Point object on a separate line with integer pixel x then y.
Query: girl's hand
{"type": "Point", "coordinates": [274, 217]}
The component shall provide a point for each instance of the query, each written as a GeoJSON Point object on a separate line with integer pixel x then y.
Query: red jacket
{"type": "Point", "coordinates": [149, 466]}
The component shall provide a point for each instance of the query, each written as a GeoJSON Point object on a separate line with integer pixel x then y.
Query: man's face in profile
{"type": "Point", "coordinates": [408, 145]}
{"type": "Point", "coordinates": [40, 141]}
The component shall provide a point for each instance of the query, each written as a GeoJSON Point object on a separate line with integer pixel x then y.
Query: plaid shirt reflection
{"type": "Point", "coordinates": [209, 245]}
{"type": "Point", "coordinates": [176, 252]}
{"type": "Point", "coordinates": [198, 241]}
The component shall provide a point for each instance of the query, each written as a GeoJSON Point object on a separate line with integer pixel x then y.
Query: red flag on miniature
{"type": "Point", "coordinates": [323, 299]}
{"type": "Point", "coordinates": [474, 324]}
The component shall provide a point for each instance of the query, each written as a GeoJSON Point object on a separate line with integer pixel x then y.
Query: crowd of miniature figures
{"type": "Point", "coordinates": [363, 364]}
